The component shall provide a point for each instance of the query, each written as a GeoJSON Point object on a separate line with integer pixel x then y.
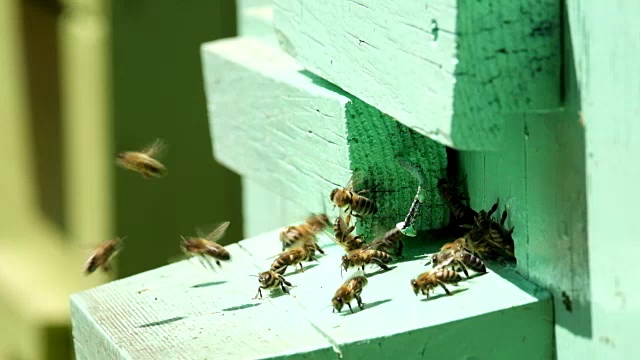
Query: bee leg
{"type": "Point", "coordinates": [464, 268]}
{"type": "Point", "coordinates": [259, 294]}
{"type": "Point", "coordinates": [504, 217]}
{"type": "Point", "coordinates": [362, 267]}
{"type": "Point", "coordinates": [381, 264]}
{"type": "Point", "coordinates": [444, 287]}
{"type": "Point", "coordinates": [284, 289]}
{"type": "Point", "coordinates": [301, 268]}
{"type": "Point", "coordinates": [350, 307]}
{"type": "Point", "coordinates": [218, 263]}
{"type": "Point", "coordinates": [400, 247]}
{"type": "Point", "coordinates": [360, 303]}
{"type": "Point", "coordinates": [317, 247]}
{"type": "Point", "coordinates": [493, 209]}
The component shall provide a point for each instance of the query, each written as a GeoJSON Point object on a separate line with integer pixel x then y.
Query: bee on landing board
{"type": "Point", "coordinates": [102, 256]}
{"type": "Point", "coordinates": [429, 280]}
{"type": "Point", "coordinates": [353, 202]}
{"type": "Point", "coordinates": [207, 246]}
{"type": "Point", "coordinates": [352, 288]}
{"type": "Point", "coordinates": [362, 257]}
{"type": "Point", "coordinates": [489, 239]}
{"type": "Point", "coordinates": [344, 236]}
{"type": "Point", "coordinates": [454, 256]}
{"type": "Point", "coordinates": [389, 242]}
{"type": "Point", "coordinates": [144, 162]}
{"type": "Point", "coordinates": [294, 256]}
{"type": "Point", "coordinates": [305, 232]}
{"type": "Point", "coordinates": [270, 280]}
{"type": "Point", "coordinates": [454, 200]}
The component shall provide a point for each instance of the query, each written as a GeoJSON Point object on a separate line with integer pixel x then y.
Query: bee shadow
{"type": "Point", "coordinates": [298, 271]}
{"type": "Point", "coordinates": [453, 292]}
{"type": "Point", "coordinates": [163, 322]}
{"type": "Point", "coordinates": [211, 283]}
{"type": "Point", "coordinates": [366, 306]}
{"type": "Point", "coordinates": [380, 271]}
{"type": "Point", "coordinates": [240, 307]}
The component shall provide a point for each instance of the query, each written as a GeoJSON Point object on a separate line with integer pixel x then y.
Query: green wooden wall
{"type": "Point", "coordinates": [158, 92]}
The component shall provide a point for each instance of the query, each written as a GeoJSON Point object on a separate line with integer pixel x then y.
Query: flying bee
{"type": "Point", "coordinates": [270, 280]}
{"type": "Point", "coordinates": [305, 232]}
{"type": "Point", "coordinates": [345, 238]}
{"type": "Point", "coordinates": [102, 256]}
{"type": "Point", "coordinates": [389, 242]}
{"type": "Point", "coordinates": [207, 246]}
{"type": "Point", "coordinates": [352, 288]}
{"type": "Point", "coordinates": [454, 200]}
{"type": "Point", "coordinates": [292, 257]}
{"type": "Point", "coordinates": [431, 279]}
{"type": "Point", "coordinates": [362, 257]}
{"type": "Point", "coordinates": [144, 162]}
{"type": "Point", "coordinates": [353, 202]}
{"type": "Point", "coordinates": [489, 239]}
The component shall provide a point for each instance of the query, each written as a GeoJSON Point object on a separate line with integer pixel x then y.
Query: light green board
{"type": "Point", "coordinates": [538, 172]}
{"type": "Point", "coordinates": [608, 77]}
{"type": "Point", "coordinates": [300, 137]}
{"type": "Point", "coordinates": [448, 69]}
{"type": "Point", "coordinates": [255, 19]}
{"type": "Point", "coordinates": [109, 320]}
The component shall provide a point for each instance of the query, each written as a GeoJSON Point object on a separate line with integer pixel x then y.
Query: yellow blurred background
{"type": "Point", "coordinates": [79, 81]}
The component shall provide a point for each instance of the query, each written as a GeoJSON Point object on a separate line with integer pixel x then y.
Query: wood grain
{"type": "Point", "coordinates": [450, 70]}
{"type": "Point", "coordinates": [170, 312]}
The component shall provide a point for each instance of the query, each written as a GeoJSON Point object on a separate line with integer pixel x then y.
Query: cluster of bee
{"type": "Point", "coordinates": [299, 244]}
{"type": "Point", "coordinates": [205, 247]}
{"type": "Point", "coordinates": [486, 239]}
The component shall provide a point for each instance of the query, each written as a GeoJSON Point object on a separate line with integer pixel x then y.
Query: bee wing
{"type": "Point", "coordinates": [217, 233]}
{"type": "Point", "coordinates": [156, 149]}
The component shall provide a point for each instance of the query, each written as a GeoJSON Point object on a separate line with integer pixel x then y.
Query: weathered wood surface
{"type": "Point", "coordinates": [608, 78]}
{"type": "Point", "coordinates": [300, 137]}
{"type": "Point", "coordinates": [450, 70]}
{"type": "Point", "coordinates": [186, 311]}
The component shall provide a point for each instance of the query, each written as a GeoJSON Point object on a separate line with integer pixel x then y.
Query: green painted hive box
{"type": "Point", "coordinates": [187, 311]}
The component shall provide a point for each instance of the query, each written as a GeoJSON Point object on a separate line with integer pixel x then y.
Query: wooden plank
{"type": "Point", "coordinates": [450, 69]}
{"type": "Point", "coordinates": [301, 137]}
{"type": "Point", "coordinates": [255, 19]}
{"type": "Point", "coordinates": [112, 317]}
{"type": "Point", "coordinates": [185, 311]}
{"type": "Point", "coordinates": [608, 82]}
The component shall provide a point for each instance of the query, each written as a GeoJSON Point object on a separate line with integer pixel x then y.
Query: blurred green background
{"type": "Point", "coordinates": [79, 81]}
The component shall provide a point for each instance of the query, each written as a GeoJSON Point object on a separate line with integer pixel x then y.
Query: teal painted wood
{"type": "Point", "coordinates": [185, 311]}
{"type": "Point", "coordinates": [255, 19]}
{"type": "Point", "coordinates": [450, 70]}
{"type": "Point", "coordinates": [608, 77]}
{"type": "Point", "coordinates": [301, 137]}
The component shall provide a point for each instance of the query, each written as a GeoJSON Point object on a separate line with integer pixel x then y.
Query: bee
{"type": "Point", "coordinates": [458, 259]}
{"type": "Point", "coordinates": [305, 232]}
{"type": "Point", "coordinates": [102, 256]}
{"type": "Point", "coordinates": [488, 238]}
{"type": "Point", "coordinates": [352, 288]}
{"type": "Point", "coordinates": [390, 241]}
{"type": "Point", "coordinates": [292, 257]}
{"type": "Point", "coordinates": [143, 162]}
{"type": "Point", "coordinates": [362, 257]}
{"type": "Point", "coordinates": [429, 280]}
{"type": "Point", "coordinates": [345, 238]}
{"type": "Point", "coordinates": [448, 249]}
{"type": "Point", "coordinates": [353, 202]}
{"type": "Point", "coordinates": [454, 200]}
{"type": "Point", "coordinates": [207, 246]}
{"type": "Point", "coordinates": [270, 280]}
